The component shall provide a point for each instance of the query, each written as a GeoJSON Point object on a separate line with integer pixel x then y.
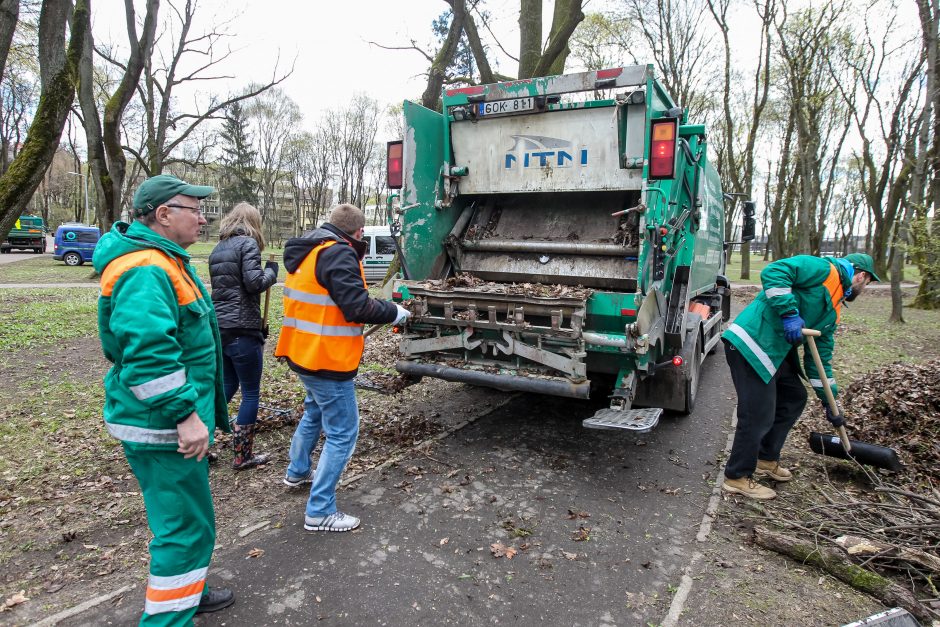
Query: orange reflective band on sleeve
{"type": "Point", "coordinates": [186, 290]}
{"type": "Point", "coordinates": [833, 285]}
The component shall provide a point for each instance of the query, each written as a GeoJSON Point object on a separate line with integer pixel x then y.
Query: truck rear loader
{"type": "Point", "coordinates": [558, 240]}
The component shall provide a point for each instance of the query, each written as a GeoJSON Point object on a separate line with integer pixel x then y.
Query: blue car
{"type": "Point", "coordinates": [75, 243]}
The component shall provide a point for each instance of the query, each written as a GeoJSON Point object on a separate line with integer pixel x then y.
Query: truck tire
{"type": "Point", "coordinates": [72, 259]}
{"type": "Point", "coordinates": [692, 356]}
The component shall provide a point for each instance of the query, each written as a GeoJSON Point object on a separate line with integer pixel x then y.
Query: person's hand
{"type": "Point", "coordinates": [272, 265]}
{"type": "Point", "coordinates": [837, 420]}
{"type": "Point", "coordinates": [793, 328]}
{"type": "Point", "coordinates": [403, 314]}
{"type": "Point", "coordinates": [193, 437]}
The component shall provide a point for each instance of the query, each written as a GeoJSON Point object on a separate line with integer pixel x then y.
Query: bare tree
{"type": "Point", "coordinates": [58, 71]}
{"type": "Point", "coordinates": [167, 128]}
{"type": "Point", "coordinates": [808, 38]}
{"type": "Point", "coordinates": [275, 117]}
{"type": "Point", "coordinates": [106, 158]}
{"type": "Point", "coordinates": [740, 159]}
{"type": "Point", "coordinates": [676, 36]}
{"type": "Point", "coordinates": [879, 107]}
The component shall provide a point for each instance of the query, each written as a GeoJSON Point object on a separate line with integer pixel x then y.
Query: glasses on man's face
{"type": "Point", "coordinates": [196, 211]}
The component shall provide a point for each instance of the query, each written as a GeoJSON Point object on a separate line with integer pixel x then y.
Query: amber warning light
{"type": "Point", "coordinates": [393, 163]}
{"type": "Point", "coordinates": [663, 149]}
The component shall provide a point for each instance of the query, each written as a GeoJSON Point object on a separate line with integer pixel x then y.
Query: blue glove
{"type": "Point", "coordinates": [837, 420]}
{"type": "Point", "coordinates": [793, 327]}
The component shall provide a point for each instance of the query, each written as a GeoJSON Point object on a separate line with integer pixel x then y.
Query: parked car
{"type": "Point", "coordinates": [75, 243]}
{"type": "Point", "coordinates": [381, 251]}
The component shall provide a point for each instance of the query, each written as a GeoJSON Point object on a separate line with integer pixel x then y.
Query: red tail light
{"type": "Point", "coordinates": [677, 361]}
{"type": "Point", "coordinates": [663, 149]}
{"type": "Point", "coordinates": [393, 162]}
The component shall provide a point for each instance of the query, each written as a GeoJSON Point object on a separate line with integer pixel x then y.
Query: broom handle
{"type": "Point", "coordinates": [810, 334]}
{"type": "Point", "coordinates": [267, 301]}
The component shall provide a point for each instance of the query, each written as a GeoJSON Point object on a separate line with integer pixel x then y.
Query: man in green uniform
{"type": "Point", "coordinates": [163, 394]}
{"type": "Point", "coordinates": [760, 346]}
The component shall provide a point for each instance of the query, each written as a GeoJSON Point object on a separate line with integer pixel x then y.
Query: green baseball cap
{"type": "Point", "coordinates": [863, 262]}
{"type": "Point", "coordinates": [158, 189]}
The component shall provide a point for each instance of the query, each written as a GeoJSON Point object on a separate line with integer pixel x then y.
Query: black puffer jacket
{"type": "Point", "coordinates": [238, 281]}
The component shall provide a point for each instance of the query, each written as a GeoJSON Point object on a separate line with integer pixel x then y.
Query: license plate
{"type": "Point", "coordinates": [505, 106]}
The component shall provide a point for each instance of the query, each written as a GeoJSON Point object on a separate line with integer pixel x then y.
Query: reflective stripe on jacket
{"type": "Point", "coordinates": [812, 286]}
{"type": "Point", "coordinates": [316, 336]}
{"type": "Point", "coordinates": [158, 329]}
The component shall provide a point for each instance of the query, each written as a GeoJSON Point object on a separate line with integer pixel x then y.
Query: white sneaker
{"type": "Point", "coordinates": [295, 482]}
{"type": "Point", "coordinates": [337, 521]}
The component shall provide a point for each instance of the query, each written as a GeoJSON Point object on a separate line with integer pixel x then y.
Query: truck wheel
{"type": "Point", "coordinates": [72, 259]}
{"type": "Point", "coordinates": [692, 355]}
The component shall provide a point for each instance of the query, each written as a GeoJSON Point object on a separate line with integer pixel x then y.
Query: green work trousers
{"type": "Point", "coordinates": [181, 518]}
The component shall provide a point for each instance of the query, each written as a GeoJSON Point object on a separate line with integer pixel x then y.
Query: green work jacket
{"type": "Point", "coordinates": [793, 284]}
{"type": "Point", "coordinates": [158, 329]}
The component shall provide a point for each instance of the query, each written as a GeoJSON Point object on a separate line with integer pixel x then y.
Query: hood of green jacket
{"type": "Point", "coordinates": [125, 238]}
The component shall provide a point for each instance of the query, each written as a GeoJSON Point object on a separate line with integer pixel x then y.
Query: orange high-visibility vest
{"type": "Point", "coordinates": [315, 335]}
{"type": "Point", "coordinates": [834, 284]}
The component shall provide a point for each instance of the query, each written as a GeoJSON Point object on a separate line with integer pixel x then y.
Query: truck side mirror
{"type": "Point", "coordinates": [749, 228]}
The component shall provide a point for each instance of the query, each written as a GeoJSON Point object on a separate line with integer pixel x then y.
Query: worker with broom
{"type": "Point", "coordinates": [761, 350]}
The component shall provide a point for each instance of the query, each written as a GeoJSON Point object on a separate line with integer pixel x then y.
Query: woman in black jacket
{"type": "Point", "coordinates": [238, 280]}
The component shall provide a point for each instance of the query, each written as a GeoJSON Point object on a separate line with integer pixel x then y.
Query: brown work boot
{"type": "Point", "coordinates": [773, 470]}
{"type": "Point", "coordinates": [748, 487]}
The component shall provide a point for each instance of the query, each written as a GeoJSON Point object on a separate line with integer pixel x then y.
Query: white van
{"type": "Point", "coordinates": [380, 253]}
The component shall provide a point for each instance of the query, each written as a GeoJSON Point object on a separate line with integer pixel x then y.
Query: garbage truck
{"type": "Point", "coordinates": [28, 233]}
{"type": "Point", "coordinates": [562, 235]}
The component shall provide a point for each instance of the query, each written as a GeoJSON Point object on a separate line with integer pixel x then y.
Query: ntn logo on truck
{"type": "Point", "coordinates": [554, 239]}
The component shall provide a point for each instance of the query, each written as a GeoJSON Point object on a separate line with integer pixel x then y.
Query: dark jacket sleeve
{"type": "Point", "coordinates": [255, 278]}
{"type": "Point", "coordinates": [338, 272]}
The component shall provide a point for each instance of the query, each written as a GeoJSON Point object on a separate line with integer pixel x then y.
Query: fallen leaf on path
{"type": "Point", "coordinates": [498, 549]}
{"type": "Point", "coordinates": [16, 599]}
{"type": "Point", "coordinates": [574, 514]}
{"type": "Point", "coordinates": [444, 541]}
{"type": "Point", "coordinates": [569, 556]}
{"type": "Point", "coordinates": [255, 552]}
{"type": "Point", "coordinates": [582, 534]}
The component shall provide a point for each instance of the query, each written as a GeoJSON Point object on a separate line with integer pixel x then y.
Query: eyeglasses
{"type": "Point", "coordinates": [193, 210]}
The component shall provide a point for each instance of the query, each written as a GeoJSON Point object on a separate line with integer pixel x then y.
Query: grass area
{"type": "Point", "coordinates": [201, 250]}
{"type": "Point", "coordinates": [44, 269]}
{"type": "Point", "coordinates": [911, 272]}
{"type": "Point", "coordinates": [36, 318]}
{"type": "Point", "coordinates": [866, 340]}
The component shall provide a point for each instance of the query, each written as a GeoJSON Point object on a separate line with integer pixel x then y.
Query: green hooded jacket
{"type": "Point", "coordinates": [158, 329]}
{"type": "Point", "coordinates": [793, 284]}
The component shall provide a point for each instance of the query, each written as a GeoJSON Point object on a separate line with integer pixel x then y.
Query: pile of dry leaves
{"type": "Point", "coordinates": [899, 406]}
{"type": "Point", "coordinates": [536, 290]}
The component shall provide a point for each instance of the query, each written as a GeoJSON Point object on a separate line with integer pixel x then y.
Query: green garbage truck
{"type": "Point", "coordinates": [28, 233]}
{"type": "Point", "coordinates": [562, 235]}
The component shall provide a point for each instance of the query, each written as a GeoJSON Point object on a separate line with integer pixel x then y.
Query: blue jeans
{"type": "Point", "coordinates": [241, 367]}
{"type": "Point", "coordinates": [330, 408]}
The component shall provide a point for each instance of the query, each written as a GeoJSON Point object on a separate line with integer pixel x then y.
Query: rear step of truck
{"type": "Point", "coordinates": [636, 420]}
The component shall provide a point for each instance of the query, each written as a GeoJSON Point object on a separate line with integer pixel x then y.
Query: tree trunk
{"type": "Point", "coordinates": [431, 98]}
{"type": "Point", "coordinates": [9, 15]}
{"type": "Point", "coordinates": [59, 70]}
{"type": "Point", "coordinates": [530, 36]}
{"type": "Point", "coordinates": [835, 562]}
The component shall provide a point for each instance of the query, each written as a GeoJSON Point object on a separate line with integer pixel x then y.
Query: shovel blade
{"type": "Point", "coordinates": [828, 444]}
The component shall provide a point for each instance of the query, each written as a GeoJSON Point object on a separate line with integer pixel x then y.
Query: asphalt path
{"type": "Point", "coordinates": [603, 524]}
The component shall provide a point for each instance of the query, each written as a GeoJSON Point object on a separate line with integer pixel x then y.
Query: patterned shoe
{"type": "Point", "coordinates": [296, 482]}
{"type": "Point", "coordinates": [337, 521]}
